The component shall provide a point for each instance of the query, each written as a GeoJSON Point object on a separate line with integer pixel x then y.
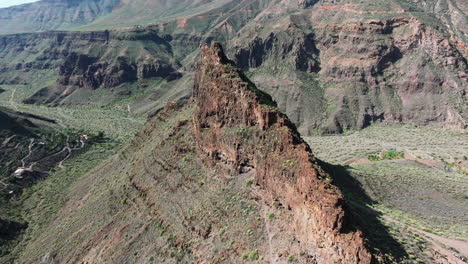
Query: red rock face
{"type": "Point", "coordinates": [238, 125]}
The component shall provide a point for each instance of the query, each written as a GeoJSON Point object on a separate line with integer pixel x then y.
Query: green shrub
{"type": "Point", "coordinates": [249, 182]}
{"type": "Point", "coordinates": [389, 155]}
{"type": "Point", "coordinates": [253, 255]}
{"type": "Point", "coordinates": [392, 155]}
{"type": "Point", "coordinates": [373, 157]}
{"type": "Point", "coordinates": [271, 216]}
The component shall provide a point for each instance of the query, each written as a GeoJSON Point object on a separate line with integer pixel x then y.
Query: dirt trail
{"type": "Point", "coordinates": [70, 151]}
{"type": "Point", "coordinates": [12, 100]}
{"type": "Point", "coordinates": [7, 140]}
{"type": "Point", "coordinates": [440, 243]}
{"type": "Point", "coordinates": [31, 145]}
{"type": "Point", "coordinates": [66, 148]}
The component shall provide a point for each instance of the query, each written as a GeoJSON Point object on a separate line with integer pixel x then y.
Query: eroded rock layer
{"type": "Point", "coordinates": [238, 125]}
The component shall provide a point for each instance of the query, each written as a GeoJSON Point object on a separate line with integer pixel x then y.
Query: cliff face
{"type": "Point", "coordinates": [357, 64]}
{"type": "Point", "coordinates": [85, 60]}
{"type": "Point", "coordinates": [236, 124]}
{"type": "Point", "coordinates": [224, 179]}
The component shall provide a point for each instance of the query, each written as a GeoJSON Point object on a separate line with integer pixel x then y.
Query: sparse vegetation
{"type": "Point", "coordinates": [292, 258]}
{"type": "Point", "coordinates": [398, 182]}
{"type": "Point", "coordinates": [249, 182]}
{"type": "Point", "coordinates": [252, 255]}
{"type": "Point", "coordinates": [387, 155]}
{"type": "Point", "coordinates": [271, 216]}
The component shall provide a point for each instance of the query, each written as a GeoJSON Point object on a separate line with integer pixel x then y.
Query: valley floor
{"type": "Point", "coordinates": [415, 179]}
{"type": "Point", "coordinates": [116, 121]}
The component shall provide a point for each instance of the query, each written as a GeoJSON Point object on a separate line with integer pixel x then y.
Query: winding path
{"type": "Point", "coordinates": [12, 100]}
{"type": "Point", "coordinates": [31, 145]}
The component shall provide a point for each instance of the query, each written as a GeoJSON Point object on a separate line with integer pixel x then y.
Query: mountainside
{"type": "Point", "coordinates": [86, 61]}
{"type": "Point", "coordinates": [52, 15]}
{"type": "Point", "coordinates": [220, 173]}
{"type": "Point", "coordinates": [348, 64]}
{"type": "Point", "coordinates": [30, 146]}
{"type": "Point", "coordinates": [331, 66]}
{"type": "Point", "coordinates": [191, 181]}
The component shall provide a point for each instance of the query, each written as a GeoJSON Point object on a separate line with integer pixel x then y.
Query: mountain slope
{"type": "Point", "coordinates": [52, 15]}
{"type": "Point", "coordinates": [345, 65]}
{"type": "Point", "coordinates": [30, 146]}
{"type": "Point", "coordinates": [87, 61]}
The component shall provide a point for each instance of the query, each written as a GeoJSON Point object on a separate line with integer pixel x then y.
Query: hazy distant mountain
{"type": "Point", "coordinates": [52, 15]}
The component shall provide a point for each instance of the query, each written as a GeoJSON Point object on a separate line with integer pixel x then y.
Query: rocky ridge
{"type": "Point", "coordinates": [195, 177]}
{"type": "Point", "coordinates": [238, 125]}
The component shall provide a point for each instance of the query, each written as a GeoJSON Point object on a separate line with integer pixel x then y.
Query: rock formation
{"type": "Point", "coordinates": [224, 179]}
{"type": "Point", "coordinates": [236, 124]}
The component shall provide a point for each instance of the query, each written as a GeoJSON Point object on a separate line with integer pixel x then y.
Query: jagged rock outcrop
{"type": "Point", "coordinates": [238, 125]}
{"type": "Point", "coordinates": [89, 72]}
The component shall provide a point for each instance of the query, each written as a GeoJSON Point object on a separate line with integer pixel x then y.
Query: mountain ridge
{"type": "Point", "coordinates": [207, 189]}
{"type": "Point", "coordinates": [264, 141]}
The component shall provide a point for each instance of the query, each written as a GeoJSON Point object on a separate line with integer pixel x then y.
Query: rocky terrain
{"type": "Point", "coordinates": [220, 173]}
{"type": "Point", "coordinates": [225, 178]}
{"type": "Point", "coordinates": [30, 147]}
{"type": "Point", "coordinates": [211, 186]}
{"type": "Point", "coordinates": [86, 61]}
{"type": "Point", "coordinates": [238, 125]}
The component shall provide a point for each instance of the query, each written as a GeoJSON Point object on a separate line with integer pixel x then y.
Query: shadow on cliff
{"type": "Point", "coordinates": [365, 218]}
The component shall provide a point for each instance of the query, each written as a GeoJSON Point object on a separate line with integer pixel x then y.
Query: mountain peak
{"type": "Point", "coordinates": [213, 54]}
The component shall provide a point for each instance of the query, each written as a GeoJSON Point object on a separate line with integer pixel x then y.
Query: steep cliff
{"type": "Point", "coordinates": [85, 61]}
{"type": "Point", "coordinates": [357, 63]}
{"type": "Point", "coordinates": [236, 124]}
